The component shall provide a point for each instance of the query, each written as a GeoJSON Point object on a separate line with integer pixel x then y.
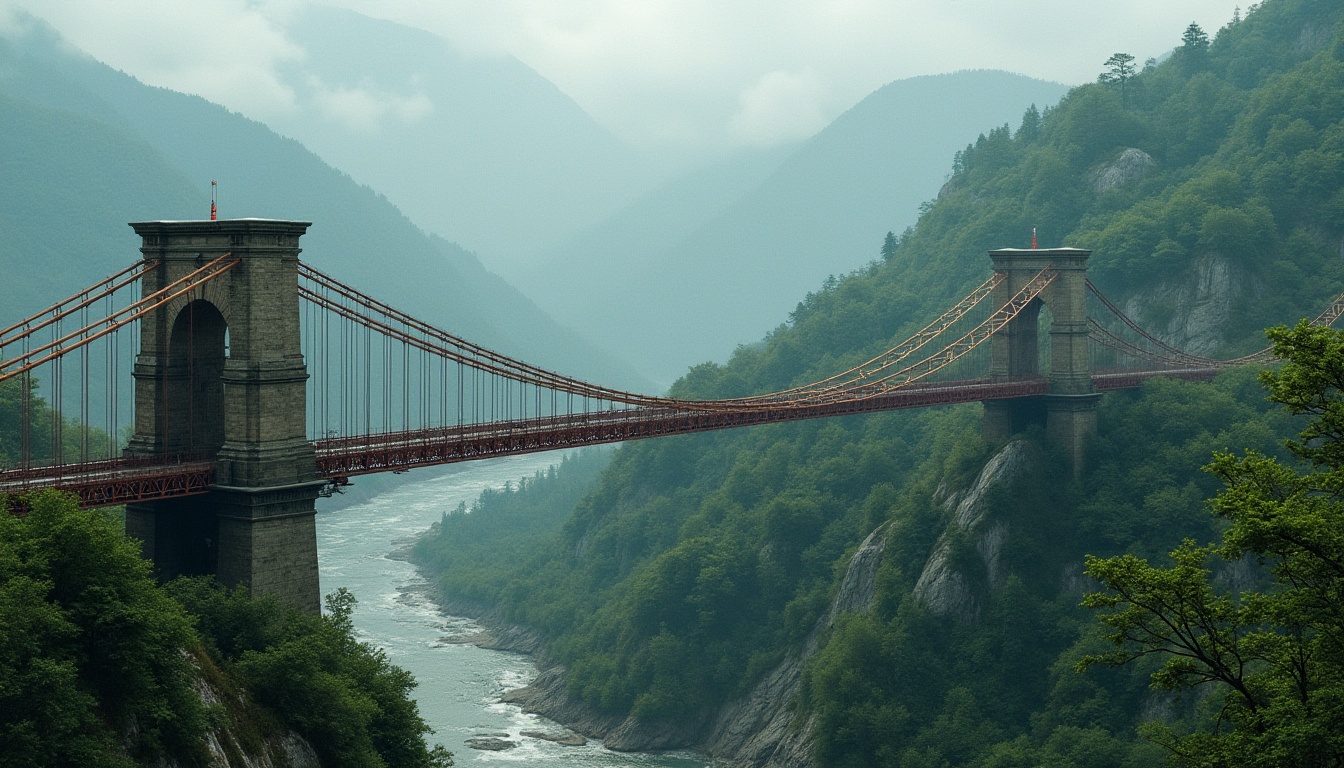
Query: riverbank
{"type": "Point", "coordinates": [459, 684]}
{"type": "Point", "coordinates": [759, 730]}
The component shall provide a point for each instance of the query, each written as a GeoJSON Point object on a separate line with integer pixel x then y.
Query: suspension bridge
{"type": "Point", "coordinates": [259, 384]}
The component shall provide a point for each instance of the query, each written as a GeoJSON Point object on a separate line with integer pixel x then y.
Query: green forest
{"type": "Point", "coordinates": [696, 564]}
{"type": "Point", "coordinates": [101, 666]}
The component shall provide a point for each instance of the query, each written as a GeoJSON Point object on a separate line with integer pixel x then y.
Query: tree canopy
{"type": "Point", "coordinates": [99, 665]}
{"type": "Point", "coordinates": [1273, 654]}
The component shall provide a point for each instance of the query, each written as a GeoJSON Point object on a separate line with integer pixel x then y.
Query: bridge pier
{"type": "Point", "coordinates": [221, 374]}
{"type": "Point", "coordinates": [1069, 411]}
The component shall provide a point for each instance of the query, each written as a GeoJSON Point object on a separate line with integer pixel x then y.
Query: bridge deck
{"type": "Point", "coordinates": [121, 481]}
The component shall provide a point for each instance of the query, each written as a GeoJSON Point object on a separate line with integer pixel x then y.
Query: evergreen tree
{"type": "Point", "coordinates": [1194, 46]}
{"type": "Point", "coordinates": [1119, 69]}
{"type": "Point", "coordinates": [1194, 39]}
{"type": "Point", "coordinates": [1031, 125]}
{"type": "Point", "coordinates": [889, 246]}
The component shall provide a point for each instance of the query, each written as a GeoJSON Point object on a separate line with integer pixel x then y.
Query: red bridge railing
{"type": "Point", "coordinates": [122, 481]}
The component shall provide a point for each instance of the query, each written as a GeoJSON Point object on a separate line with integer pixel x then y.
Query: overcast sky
{"type": "Point", "coordinates": [663, 74]}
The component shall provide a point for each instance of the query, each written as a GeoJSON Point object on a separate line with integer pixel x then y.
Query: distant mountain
{"type": "Point", "coordinates": [673, 282]}
{"type": "Point", "coordinates": [480, 149]}
{"type": "Point", "coordinates": [87, 149]}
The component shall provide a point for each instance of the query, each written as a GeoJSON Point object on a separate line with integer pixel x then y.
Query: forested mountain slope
{"type": "Point", "coordinates": [1210, 187]}
{"type": "Point", "coordinates": [87, 149]}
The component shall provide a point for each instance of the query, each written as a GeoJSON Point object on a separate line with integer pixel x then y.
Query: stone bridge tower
{"type": "Point", "coordinates": [1069, 411]}
{"type": "Point", "coordinates": [221, 375]}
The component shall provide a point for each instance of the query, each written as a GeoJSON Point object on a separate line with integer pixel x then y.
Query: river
{"type": "Point", "coordinates": [460, 684]}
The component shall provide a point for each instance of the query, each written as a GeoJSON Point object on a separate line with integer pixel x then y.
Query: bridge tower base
{"type": "Point", "coordinates": [221, 375]}
{"type": "Point", "coordinates": [1071, 423]}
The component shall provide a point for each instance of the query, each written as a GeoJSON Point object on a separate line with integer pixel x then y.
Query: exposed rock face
{"type": "Point", "coordinates": [1129, 167]}
{"type": "Point", "coordinates": [287, 750]}
{"type": "Point", "coordinates": [942, 587]}
{"type": "Point", "coordinates": [490, 743]}
{"type": "Point", "coordinates": [1191, 311]}
{"type": "Point", "coordinates": [548, 696]}
{"type": "Point", "coordinates": [757, 731]}
{"type": "Point", "coordinates": [1073, 582]}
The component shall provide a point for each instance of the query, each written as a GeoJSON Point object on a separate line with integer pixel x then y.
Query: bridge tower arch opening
{"type": "Point", "coordinates": [193, 379]}
{"type": "Point", "coordinates": [1069, 410]}
{"type": "Point", "coordinates": [220, 372]}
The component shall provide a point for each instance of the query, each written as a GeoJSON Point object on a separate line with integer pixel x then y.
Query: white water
{"type": "Point", "coordinates": [460, 684]}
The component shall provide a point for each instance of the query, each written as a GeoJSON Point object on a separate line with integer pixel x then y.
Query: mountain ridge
{"type": "Point", "coordinates": [730, 276]}
{"type": "Point", "coordinates": [355, 232]}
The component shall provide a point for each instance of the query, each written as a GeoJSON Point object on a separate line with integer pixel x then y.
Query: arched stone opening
{"type": "Point", "coordinates": [1045, 321]}
{"type": "Point", "coordinates": [196, 356]}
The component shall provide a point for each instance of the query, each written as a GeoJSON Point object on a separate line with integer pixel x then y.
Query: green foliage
{"type": "Point", "coordinates": [466, 546]}
{"type": "Point", "coordinates": [90, 649]}
{"type": "Point", "coordinates": [714, 555]}
{"type": "Point", "coordinates": [344, 696]}
{"type": "Point", "coordinates": [96, 660]}
{"type": "Point", "coordinates": [1273, 656]}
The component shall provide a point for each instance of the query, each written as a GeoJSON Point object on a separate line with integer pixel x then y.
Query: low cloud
{"type": "Point", "coordinates": [366, 110]}
{"type": "Point", "coordinates": [662, 74]}
{"type": "Point", "coordinates": [780, 107]}
{"type": "Point", "coordinates": [224, 50]}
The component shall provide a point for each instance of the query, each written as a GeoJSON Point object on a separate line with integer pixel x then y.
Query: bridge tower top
{"type": "Point", "coordinates": [1015, 350]}
{"type": "Point", "coordinates": [221, 369]}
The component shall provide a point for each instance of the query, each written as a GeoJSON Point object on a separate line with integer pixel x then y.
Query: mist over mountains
{"type": "Point", "coordinates": [464, 150]}
{"type": "Point", "coordinates": [88, 149]}
{"type": "Point", "coordinates": [479, 149]}
{"type": "Point", "coordinates": [671, 282]}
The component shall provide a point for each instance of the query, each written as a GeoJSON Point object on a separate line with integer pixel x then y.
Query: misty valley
{"type": "Point", "coordinates": [992, 423]}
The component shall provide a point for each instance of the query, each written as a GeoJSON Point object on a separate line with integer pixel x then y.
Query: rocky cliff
{"type": "Point", "coordinates": [951, 583]}
{"type": "Point", "coordinates": [239, 738]}
{"type": "Point", "coordinates": [760, 730]}
{"type": "Point", "coordinates": [1191, 310]}
{"type": "Point", "coordinates": [763, 729]}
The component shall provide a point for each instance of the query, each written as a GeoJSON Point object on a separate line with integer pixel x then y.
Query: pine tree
{"type": "Point", "coordinates": [889, 246]}
{"type": "Point", "coordinates": [1031, 124]}
{"type": "Point", "coordinates": [1119, 69]}
{"type": "Point", "coordinates": [1194, 40]}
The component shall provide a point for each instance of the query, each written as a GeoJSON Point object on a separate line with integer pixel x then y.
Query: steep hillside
{"type": "Point", "coordinates": [71, 183]}
{"type": "Point", "coordinates": [702, 568]}
{"type": "Point", "coordinates": [68, 109]}
{"type": "Point", "coordinates": [675, 297]}
{"type": "Point", "coordinates": [104, 667]}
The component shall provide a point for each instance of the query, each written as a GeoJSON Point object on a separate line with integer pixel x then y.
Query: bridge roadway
{"type": "Point", "coordinates": [111, 482]}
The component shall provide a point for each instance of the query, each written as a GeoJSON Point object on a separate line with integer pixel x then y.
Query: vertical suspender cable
{"type": "Point", "coordinates": [84, 391]}
{"type": "Point", "coordinates": [368, 382]}
{"type": "Point", "coordinates": [190, 309]}
{"type": "Point", "coordinates": [56, 403]}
